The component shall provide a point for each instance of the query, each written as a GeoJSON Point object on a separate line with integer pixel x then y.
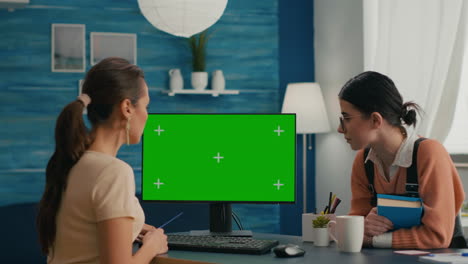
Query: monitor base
{"type": "Point", "coordinates": [233, 233]}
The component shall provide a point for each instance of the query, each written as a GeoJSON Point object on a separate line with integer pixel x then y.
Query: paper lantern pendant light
{"type": "Point", "coordinates": [182, 18]}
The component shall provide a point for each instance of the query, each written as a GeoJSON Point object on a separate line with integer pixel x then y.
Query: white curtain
{"type": "Point", "coordinates": [419, 44]}
{"type": "Point", "coordinates": [457, 139]}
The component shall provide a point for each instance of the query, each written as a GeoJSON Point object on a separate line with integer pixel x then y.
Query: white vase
{"type": "Point", "coordinates": [199, 80]}
{"type": "Point", "coordinates": [217, 81]}
{"type": "Point", "coordinates": [321, 238]}
{"type": "Point", "coordinates": [176, 82]}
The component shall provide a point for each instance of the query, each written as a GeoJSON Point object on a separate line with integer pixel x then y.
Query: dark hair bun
{"type": "Point", "coordinates": [409, 117]}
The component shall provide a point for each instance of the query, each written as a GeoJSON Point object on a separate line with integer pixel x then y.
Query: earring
{"type": "Point", "coordinates": [127, 128]}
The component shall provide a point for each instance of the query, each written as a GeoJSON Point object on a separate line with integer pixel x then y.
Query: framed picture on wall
{"type": "Point", "coordinates": [105, 45]}
{"type": "Point", "coordinates": [68, 48]}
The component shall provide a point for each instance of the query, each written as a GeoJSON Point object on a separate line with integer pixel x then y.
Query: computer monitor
{"type": "Point", "coordinates": [219, 159]}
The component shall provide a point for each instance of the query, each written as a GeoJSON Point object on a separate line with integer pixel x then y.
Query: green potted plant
{"type": "Point", "coordinates": [321, 237]}
{"type": "Point", "coordinates": [198, 47]}
{"type": "Point", "coordinates": [321, 221]}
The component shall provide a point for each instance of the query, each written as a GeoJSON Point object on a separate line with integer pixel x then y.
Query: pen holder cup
{"type": "Point", "coordinates": [308, 229]}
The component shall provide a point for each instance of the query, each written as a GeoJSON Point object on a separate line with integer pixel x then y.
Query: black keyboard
{"type": "Point", "coordinates": [222, 244]}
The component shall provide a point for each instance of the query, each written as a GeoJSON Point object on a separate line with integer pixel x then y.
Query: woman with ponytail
{"type": "Point", "coordinates": [88, 212]}
{"type": "Point", "coordinates": [376, 122]}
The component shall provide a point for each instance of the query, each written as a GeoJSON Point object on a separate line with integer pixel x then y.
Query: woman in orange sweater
{"type": "Point", "coordinates": [375, 117]}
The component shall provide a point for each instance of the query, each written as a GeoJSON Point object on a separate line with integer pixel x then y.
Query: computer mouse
{"type": "Point", "coordinates": [288, 251]}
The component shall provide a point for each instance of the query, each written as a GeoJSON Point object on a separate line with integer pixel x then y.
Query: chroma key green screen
{"type": "Point", "coordinates": [219, 157]}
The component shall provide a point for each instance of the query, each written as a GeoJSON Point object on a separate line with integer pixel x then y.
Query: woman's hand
{"type": "Point", "coordinates": [156, 240]}
{"type": "Point", "coordinates": [375, 224]}
{"type": "Point", "coordinates": [143, 231]}
{"type": "Point", "coordinates": [367, 243]}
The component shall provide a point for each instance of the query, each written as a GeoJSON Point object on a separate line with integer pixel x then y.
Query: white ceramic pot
{"type": "Point", "coordinates": [217, 81]}
{"type": "Point", "coordinates": [199, 80]}
{"type": "Point", "coordinates": [176, 82]}
{"type": "Point", "coordinates": [321, 238]}
{"type": "Point", "coordinates": [307, 228]}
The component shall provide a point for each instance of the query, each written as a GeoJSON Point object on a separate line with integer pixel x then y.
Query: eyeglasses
{"type": "Point", "coordinates": [342, 118]}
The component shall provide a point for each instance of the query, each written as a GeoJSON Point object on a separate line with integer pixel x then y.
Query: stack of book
{"type": "Point", "coordinates": [403, 211]}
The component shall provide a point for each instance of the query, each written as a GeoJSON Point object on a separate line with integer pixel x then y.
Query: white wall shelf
{"type": "Point", "coordinates": [191, 91]}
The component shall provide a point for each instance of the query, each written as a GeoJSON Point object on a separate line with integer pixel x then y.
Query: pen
{"type": "Point", "coordinates": [463, 254]}
{"type": "Point", "coordinates": [329, 201]}
{"type": "Point", "coordinates": [332, 203]}
{"type": "Point", "coordinates": [138, 240]}
{"type": "Point", "coordinates": [170, 220]}
{"type": "Point", "coordinates": [337, 202]}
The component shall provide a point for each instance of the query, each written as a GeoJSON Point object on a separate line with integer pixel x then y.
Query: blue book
{"type": "Point", "coordinates": [403, 211]}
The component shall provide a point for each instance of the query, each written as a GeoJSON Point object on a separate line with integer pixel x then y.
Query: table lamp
{"type": "Point", "coordinates": [306, 101]}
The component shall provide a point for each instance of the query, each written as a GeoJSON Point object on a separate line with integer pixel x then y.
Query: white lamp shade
{"type": "Point", "coordinates": [306, 101]}
{"type": "Point", "coordinates": [182, 18]}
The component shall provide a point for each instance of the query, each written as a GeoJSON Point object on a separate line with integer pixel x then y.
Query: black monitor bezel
{"type": "Point", "coordinates": [224, 201]}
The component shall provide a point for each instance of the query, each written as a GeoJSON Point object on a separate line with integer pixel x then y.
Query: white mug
{"type": "Point", "coordinates": [349, 232]}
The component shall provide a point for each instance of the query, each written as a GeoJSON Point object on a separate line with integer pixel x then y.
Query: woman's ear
{"type": "Point", "coordinates": [126, 108]}
{"type": "Point", "coordinates": [376, 119]}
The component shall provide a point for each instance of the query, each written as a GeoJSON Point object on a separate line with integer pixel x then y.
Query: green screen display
{"type": "Point", "coordinates": [219, 157]}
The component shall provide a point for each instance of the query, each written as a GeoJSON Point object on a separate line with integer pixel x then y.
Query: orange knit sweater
{"type": "Point", "coordinates": [440, 188]}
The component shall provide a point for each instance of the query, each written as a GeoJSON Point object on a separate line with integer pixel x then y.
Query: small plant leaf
{"type": "Point", "coordinates": [320, 222]}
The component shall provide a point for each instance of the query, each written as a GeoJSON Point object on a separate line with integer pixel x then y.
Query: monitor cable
{"type": "Point", "coordinates": [237, 220]}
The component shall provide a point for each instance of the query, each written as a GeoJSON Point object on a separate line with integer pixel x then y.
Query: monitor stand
{"type": "Point", "coordinates": [221, 223]}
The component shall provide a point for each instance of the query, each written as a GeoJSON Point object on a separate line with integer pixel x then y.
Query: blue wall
{"type": "Point", "coordinates": [244, 45]}
{"type": "Point", "coordinates": [247, 44]}
{"type": "Point", "coordinates": [296, 49]}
